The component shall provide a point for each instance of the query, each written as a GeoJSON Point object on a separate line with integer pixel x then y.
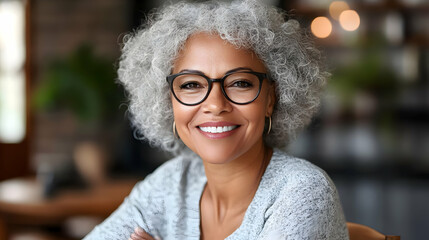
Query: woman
{"type": "Point", "coordinates": [240, 82]}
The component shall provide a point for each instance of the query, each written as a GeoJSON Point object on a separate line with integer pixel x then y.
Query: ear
{"type": "Point", "coordinates": [271, 99]}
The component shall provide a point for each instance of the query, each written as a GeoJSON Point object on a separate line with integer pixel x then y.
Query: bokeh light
{"type": "Point", "coordinates": [336, 8]}
{"type": "Point", "coordinates": [321, 27]}
{"type": "Point", "coordinates": [349, 20]}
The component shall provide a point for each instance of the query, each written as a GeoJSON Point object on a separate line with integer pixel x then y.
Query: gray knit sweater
{"type": "Point", "coordinates": [294, 200]}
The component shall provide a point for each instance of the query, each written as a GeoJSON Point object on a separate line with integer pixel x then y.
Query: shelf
{"type": "Point", "coordinates": [388, 6]}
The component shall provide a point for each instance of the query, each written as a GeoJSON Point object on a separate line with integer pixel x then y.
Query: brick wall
{"type": "Point", "coordinates": [57, 28]}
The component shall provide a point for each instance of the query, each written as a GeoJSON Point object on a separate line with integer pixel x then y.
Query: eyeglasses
{"type": "Point", "coordinates": [193, 87]}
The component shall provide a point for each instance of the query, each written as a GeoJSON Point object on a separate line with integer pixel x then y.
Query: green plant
{"type": "Point", "coordinates": [367, 74]}
{"type": "Point", "coordinates": [82, 83]}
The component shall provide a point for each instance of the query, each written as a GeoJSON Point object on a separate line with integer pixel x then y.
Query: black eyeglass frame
{"type": "Point", "coordinates": [261, 77]}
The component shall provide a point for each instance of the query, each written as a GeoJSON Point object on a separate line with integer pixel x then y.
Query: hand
{"type": "Point", "coordinates": [140, 234]}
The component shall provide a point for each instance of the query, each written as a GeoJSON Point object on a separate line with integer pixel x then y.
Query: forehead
{"type": "Point", "coordinates": [214, 56]}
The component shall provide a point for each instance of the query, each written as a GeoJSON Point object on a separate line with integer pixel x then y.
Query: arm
{"type": "Point", "coordinates": [140, 209]}
{"type": "Point", "coordinates": [308, 207]}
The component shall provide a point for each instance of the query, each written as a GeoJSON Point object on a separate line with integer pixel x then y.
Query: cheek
{"type": "Point", "coordinates": [258, 121]}
{"type": "Point", "coordinates": [261, 108]}
{"type": "Point", "coordinates": [183, 116]}
{"type": "Point", "coordinates": [256, 114]}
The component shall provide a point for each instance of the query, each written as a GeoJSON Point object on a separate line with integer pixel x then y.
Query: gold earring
{"type": "Point", "coordinates": [174, 130]}
{"type": "Point", "coordinates": [269, 125]}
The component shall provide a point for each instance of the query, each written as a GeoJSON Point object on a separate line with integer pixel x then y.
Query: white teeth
{"type": "Point", "coordinates": [217, 129]}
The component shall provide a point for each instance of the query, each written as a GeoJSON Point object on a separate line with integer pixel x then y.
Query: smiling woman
{"type": "Point", "coordinates": [240, 82]}
{"type": "Point", "coordinates": [212, 56]}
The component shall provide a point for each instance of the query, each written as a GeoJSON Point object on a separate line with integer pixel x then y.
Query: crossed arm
{"type": "Point", "coordinates": [140, 234]}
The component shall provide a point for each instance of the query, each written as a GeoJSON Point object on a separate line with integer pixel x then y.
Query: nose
{"type": "Point", "coordinates": [216, 103]}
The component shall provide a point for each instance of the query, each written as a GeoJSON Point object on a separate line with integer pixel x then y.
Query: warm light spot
{"type": "Point", "coordinates": [349, 20]}
{"type": "Point", "coordinates": [336, 8]}
{"type": "Point", "coordinates": [321, 27]}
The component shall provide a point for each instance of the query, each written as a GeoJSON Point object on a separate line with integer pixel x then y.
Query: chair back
{"type": "Point", "coordinates": [362, 232]}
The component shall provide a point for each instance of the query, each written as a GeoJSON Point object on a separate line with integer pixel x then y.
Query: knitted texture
{"type": "Point", "coordinates": [294, 200]}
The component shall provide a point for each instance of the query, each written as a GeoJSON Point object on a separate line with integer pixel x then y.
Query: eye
{"type": "Point", "coordinates": [241, 84]}
{"type": "Point", "coordinates": [241, 81]}
{"type": "Point", "coordinates": [190, 85]}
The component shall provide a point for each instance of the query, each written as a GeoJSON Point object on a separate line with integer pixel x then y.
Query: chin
{"type": "Point", "coordinates": [214, 160]}
{"type": "Point", "coordinates": [214, 155]}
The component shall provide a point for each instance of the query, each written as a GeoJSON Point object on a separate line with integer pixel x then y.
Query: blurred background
{"type": "Point", "coordinates": [68, 155]}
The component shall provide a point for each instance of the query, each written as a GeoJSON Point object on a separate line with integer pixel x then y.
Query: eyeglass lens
{"type": "Point", "coordinates": [239, 87]}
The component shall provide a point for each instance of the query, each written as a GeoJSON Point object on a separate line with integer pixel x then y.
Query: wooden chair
{"type": "Point", "coordinates": [362, 232]}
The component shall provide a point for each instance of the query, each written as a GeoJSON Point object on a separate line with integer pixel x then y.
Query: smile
{"type": "Point", "coordinates": [218, 129]}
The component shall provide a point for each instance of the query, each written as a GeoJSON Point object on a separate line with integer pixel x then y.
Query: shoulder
{"type": "Point", "coordinates": [296, 180]}
{"type": "Point", "coordinates": [304, 202]}
{"type": "Point", "coordinates": [290, 171]}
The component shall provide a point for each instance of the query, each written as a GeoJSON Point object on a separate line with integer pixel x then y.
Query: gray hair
{"type": "Point", "coordinates": [289, 55]}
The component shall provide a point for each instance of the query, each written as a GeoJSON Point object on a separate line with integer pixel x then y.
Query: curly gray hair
{"type": "Point", "coordinates": [290, 57]}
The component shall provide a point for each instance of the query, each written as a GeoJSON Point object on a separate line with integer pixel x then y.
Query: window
{"type": "Point", "coordinates": [12, 71]}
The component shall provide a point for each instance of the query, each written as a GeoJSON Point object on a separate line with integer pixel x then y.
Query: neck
{"type": "Point", "coordinates": [231, 186]}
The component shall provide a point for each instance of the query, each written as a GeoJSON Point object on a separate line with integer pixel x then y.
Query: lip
{"type": "Point", "coordinates": [217, 124]}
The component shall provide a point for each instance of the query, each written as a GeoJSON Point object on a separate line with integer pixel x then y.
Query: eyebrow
{"type": "Point", "coordinates": [191, 71]}
{"type": "Point", "coordinates": [230, 71]}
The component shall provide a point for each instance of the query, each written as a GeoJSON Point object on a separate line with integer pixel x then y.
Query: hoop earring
{"type": "Point", "coordinates": [269, 125]}
{"type": "Point", "coordinates": [174, 130]}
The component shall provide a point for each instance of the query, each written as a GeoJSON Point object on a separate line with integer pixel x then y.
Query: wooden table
{"type": "Point", "coordinates": [22, 203]}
